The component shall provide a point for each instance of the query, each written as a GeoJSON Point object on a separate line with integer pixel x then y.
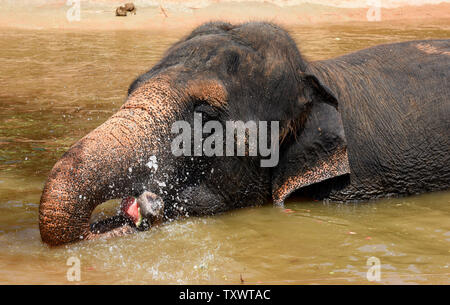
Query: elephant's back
{"type": "Point", "coordinates": [395, 106]}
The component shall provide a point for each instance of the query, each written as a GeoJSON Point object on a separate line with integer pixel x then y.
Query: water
{"type": "Point", "coordinates": [56, 86]}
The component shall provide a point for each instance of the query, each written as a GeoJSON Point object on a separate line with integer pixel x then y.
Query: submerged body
{"type": "Point", "coordinates": [366, 125]}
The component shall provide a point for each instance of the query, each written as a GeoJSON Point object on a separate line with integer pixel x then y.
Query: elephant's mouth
{"type": "Point", "coordinates": [130, 208]}
{"type": "Point", "coordinates": [140, 213]}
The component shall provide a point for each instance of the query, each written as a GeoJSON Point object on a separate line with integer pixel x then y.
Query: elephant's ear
{"type": "Point", "coordinates": [316, 150]}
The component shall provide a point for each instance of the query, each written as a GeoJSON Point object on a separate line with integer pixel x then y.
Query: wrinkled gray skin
{"type": "Point", "coordinates": [362, 126]}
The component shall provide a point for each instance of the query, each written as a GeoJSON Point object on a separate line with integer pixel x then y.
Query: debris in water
{"type": "Point", "coordinates": [351, 233]}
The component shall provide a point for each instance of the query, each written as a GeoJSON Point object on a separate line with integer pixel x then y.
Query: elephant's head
{"type": "Point", "coordinates": [248, 72]}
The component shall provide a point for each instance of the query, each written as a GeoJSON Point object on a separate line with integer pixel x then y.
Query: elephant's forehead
{"type": "Point", "coordinates": [253, 49]}
{"type": "Point", "coordinates": [205, 48]}
{"type": "Point", "coordinates": [254, 35]}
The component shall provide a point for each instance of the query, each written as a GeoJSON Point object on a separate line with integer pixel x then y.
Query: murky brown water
{"type": "Point", "coordinates": [57, 86]}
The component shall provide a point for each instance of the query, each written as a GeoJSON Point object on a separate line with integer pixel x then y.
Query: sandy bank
{"type": "Point", "coordinates": [172, 15]}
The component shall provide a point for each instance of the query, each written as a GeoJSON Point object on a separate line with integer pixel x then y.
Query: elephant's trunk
{"type": "Point", "coordinates": [105, 164]}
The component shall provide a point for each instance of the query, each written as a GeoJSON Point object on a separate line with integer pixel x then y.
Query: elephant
{"type": "Point", "coordinates": [123, 10]}
{"type": "Point", "coordinates": [362, 126]}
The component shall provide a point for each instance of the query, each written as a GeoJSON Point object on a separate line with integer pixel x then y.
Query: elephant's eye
{"type": "Point", "coordinates": [208, 111]}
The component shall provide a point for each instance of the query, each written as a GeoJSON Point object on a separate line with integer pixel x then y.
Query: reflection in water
{"type": "Point", "coordinates": [57, 86]}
